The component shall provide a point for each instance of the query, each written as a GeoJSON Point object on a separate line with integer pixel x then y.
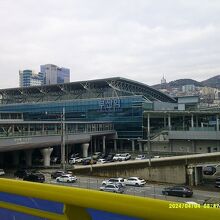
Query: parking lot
{"type": "Point", "coordinates": [149, 190]}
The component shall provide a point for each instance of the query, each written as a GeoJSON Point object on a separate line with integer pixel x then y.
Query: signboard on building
{"type": "Point", "coordinates": [109, 105]}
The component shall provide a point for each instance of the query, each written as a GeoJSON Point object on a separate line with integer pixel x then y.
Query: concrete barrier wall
{"type": "Point", "coordinates": [167, 174]}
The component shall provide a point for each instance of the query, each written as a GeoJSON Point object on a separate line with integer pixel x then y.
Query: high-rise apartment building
{"type": "Point", "coordinates": [54, 74]}
{"type": "Point", "coordinates": [30, 78]}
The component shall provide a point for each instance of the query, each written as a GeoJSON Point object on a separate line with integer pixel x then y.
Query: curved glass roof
{"type": "Point", "coordinates": [99, 88]}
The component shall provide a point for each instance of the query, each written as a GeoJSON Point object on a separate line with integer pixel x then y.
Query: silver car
{"type": "Point", "coordinates": [114, 181]}
{"type": "Point", "coordinates": [112, 188]}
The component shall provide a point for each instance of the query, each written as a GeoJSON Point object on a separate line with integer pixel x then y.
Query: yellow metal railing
{"type": "Point", "coordinates": [76, 201]}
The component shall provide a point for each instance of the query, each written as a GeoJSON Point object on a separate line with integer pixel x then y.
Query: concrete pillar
{"type": "Point", "coordinates": [98, 144]}
{"type": "Point", "coordinates": [46, 152]}
{"type": "Point", "coordinates": [28, 157]}
{"type": "Point", "coordinates": [164, 122]}
{"type": "Point", "coordinates": [196, 176]}
{"type": "Point", "coordinates": [15, 158]}
{"type": "Point", "coordinates": [133, 145]}
{"type": "Point", "coordinates": [115, 145]}
{"type": "Point", "coordinates": [85, 148]}
{"type": "Point", "coordinates": [189, 172]}
{"type": "Point", "coordinates": [140, 146]}
{"type": "Point", "coordinates": [13, 129]}
{"type": "Point", "coordinates": [171, 145]}
{"type": "Point", "coordinates": [217, 123]}
{"type": "Point", "coordinates": [183, 123]}
{"type": "Point", "coordinates": [95, 145]}
{"type": "Point", "coordinates": [29, 129]}
{"type": "Point", "coordinates": [194, 146]}
{"type": "Point", "coordinates": [103, 144]}
{"type": "Point", "coordinates": [197, 121]}
{"type": "Point", "coordinates": [121, 145]}
{"type": "Point", "coordinates": [1, 159]}
{"type": "Point", "coordinates": [55, 129]}
{"type": "Point", "coordinates": [169, 122]}
{"type": "Point", "coordinates": [42, 128]}
{"type": "Point", "coordinates": [148, 134]}
{"type": "Point", "coordinates": [192, 121]}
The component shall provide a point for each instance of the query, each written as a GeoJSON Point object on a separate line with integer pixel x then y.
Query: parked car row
{"type": "Point", "coordinates": [132, 181]}
{"type": "Point", "coordinates": [100, 158]}
{"type": "Point", "coordinates": [143, 157]}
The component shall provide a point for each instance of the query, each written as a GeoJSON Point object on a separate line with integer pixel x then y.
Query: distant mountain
{"type": "Point", "coordinates": [211, 82]}
{"type": "Point", "coordinates": [182, 82]}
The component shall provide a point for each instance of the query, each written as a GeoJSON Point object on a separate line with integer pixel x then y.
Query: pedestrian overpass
{"type": "Point", "coordinates": [23, 135]}
{"type": "Point", "coordinates": [28, 135]}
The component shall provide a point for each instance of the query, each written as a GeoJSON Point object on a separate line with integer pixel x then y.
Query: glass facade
{"type": "Point", "coordinates": [125, 112]}
{"type": "Point", "coordinates": [54, 74]}
{"type": "Point", "coordinates": [30, 78]}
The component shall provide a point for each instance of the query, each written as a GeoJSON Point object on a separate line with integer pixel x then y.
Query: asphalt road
{"type": "Point", "coordinates": [149, 190]}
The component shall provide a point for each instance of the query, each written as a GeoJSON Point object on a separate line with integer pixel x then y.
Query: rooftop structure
{"type": "Point", "coordinates": [101, 88]}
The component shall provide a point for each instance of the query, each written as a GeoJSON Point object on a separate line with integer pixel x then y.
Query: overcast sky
{"type": "Point", "coordinates": [136, 39]}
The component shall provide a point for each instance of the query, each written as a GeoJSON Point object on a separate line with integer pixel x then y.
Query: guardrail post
{"type": "Point", "coordinates": [76, 213]}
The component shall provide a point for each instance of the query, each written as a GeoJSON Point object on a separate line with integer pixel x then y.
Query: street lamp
{"type": "Point", "coordinates": [148, 142]}
{"type": "Point", "coordinates": [63, 134]}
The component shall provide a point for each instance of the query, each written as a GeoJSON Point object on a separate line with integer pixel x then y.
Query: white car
{"type": "Point", "coordinates": [101, 161]}
{"type": "Point", "coordinates": [75, 160]}
{"type": "Point", "coordinates": [67, 178]}
{"type": "Point", "coordinates": [140, 157]}
{"type": "Point", "coordinates": [124, 157]}
{"type": "Point", "coordinates": [114, 180]}
{"type": "Point", "coordinates": [135, 181]}
{"type": "Point", "coordinates": [116, 157]}
{"type": "Point", "coordinates": [2, 172]}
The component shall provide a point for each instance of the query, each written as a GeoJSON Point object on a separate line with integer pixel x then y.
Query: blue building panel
{"type": "Point", "coordinates": [125, 112]}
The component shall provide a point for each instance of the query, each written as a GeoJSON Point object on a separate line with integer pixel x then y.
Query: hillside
{"type": "Point", "coordinates": [211, 82]}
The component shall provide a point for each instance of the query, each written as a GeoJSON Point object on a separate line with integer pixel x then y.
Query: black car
{"type": "Point", "coordinates": [88, 161]}
{"type": "Point", "coordinates": [22, 173]}
{"type": "Point", "coordinates": [177, 191]}
{"type": "Point", "coordinates": [35, 177]}
{"type": "Point", "coordinates": [57, 173]}
{"type": "Point", "coordinates": [110, 157]}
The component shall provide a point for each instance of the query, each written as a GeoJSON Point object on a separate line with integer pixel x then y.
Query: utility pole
{"type": "Point", "coordinates": [148, 138]}
{"type": "Point", "coordinates": [63, 135]}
